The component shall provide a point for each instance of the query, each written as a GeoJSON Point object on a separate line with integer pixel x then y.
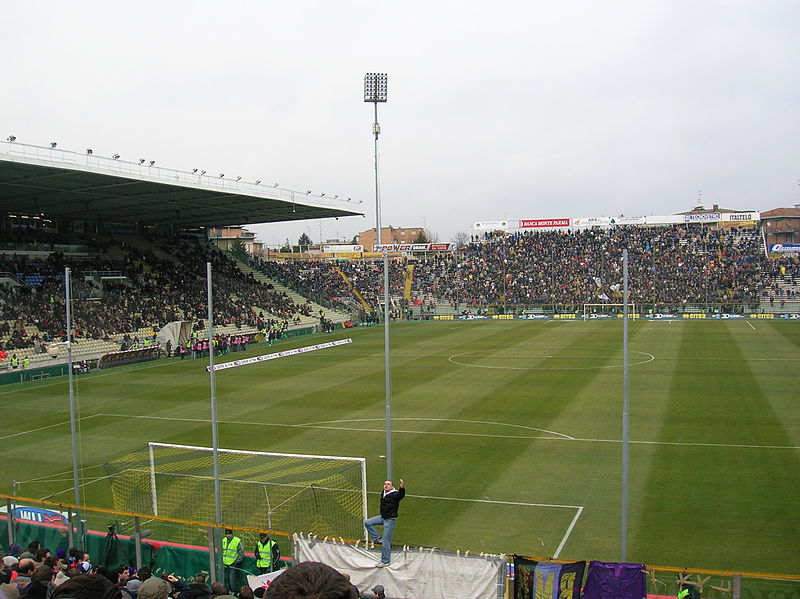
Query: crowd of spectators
{"type": "Point", "coordinates": [668, 265]}
{"type": "Point", "coordinates": [151, 288]}
{"type": "Point", "coordinates": [35, 572]}
{"type": "Point", "coordinates": [675, 264]}
{"type": "Point", "coordinates": [782, 280]}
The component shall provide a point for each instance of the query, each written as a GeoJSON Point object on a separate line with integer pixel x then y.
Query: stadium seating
{"type": "Point", "coordinates": [685, 267]}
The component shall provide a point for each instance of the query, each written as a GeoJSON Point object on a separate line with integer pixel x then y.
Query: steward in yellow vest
{"type": "Point", "coordinates": [232, 557]}
{"type": "Point", "coordinates": [267, 554]}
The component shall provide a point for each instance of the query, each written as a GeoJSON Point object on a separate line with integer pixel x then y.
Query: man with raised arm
{"type": "Point", "coordinates": [390, 503]}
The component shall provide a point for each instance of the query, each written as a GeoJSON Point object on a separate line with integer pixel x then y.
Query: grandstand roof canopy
{"type": "Point", "coordinates": [61, 184]}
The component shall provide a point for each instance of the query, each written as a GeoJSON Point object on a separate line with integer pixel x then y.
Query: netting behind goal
{"type": "Point", "coordinates": [294, 493]}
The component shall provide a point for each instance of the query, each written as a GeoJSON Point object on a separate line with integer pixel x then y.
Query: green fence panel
{"type": "Point", "coordinates": [183, 562]}
{"type": "Point", "coordinates": [21, 375]}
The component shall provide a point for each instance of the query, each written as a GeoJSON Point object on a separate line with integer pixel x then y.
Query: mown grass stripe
{"type": "Point", "coordinates": [690, 491]}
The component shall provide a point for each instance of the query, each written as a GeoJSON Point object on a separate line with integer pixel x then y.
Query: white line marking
{"type": "Point", "coordinates": [569, 532]}
{"type": "Point", "coordinates": [410, 432]}
{"type": "Point", "coordinates": [493, 501]}
{"type": "Point", "coordinates": [343, 428]}
{"type": "Point", "coordinates": [750, 325]}
{"type": "Point", "coordinates": [541, 430]}
{"type": "Point", "coordinates": [453, 360]}
{"type": "Point", "coordinates": [579, 510]}
{"type": "Point", "coordinates": [42, 428]}
{"type": "Point", "coordinates": [47, 478]}
{"type": "Point", "coordinates": [685, 444]}
{"type": "Point", "coordinates": [734, 359]}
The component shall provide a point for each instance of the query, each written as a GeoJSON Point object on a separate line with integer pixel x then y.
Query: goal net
{"type": "Point", "coordinates": [591, 311]}
{"type": "Point", "coordinates": [324, 495]}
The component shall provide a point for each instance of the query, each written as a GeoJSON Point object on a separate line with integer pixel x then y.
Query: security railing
{"type": "Point", "coordinates": [115, 537]}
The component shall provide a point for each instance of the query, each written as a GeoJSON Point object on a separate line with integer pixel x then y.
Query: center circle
{"type": "Point", "coordinates": [546, 358]}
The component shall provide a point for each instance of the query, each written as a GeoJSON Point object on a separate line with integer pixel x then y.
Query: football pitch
{"type": "Point", "coordinates": [507, 433]}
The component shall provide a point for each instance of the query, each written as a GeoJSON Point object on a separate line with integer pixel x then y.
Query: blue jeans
{"type": "Point", "coordinates": [388, 528]}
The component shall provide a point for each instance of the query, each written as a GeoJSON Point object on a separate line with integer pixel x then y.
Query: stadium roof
{"type": "Point", "coordinates": [782, 213]}
{"type": "Point", "coordinates": [62, 184]}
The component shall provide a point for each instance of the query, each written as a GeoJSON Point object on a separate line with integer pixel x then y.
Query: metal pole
{"type": "Point", "coordinates": [72, 410]}
{"type": "Point", "coordinates": [624, 510]}
{"type": "Point", "coordinates": [213, 567]}
{"type": "Point", "coordinates": [214, 435]}
{"type": "Point", "coordinates": [137, 536]}
{"type": "Point", "coordinates": [70, 528]}
{"type": "Point", "coordinates": [10, 521]}
{"type": "Point", "coordinates": [386, 366]}
{"type": "Point", "coordinates": [376, 129]}
{"type": "Point", "coordinates": [374, 93]}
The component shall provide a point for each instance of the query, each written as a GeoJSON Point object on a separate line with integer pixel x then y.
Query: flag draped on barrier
{"type": "Point", "coordinates": [281, 354]}
{"type": "Point", "coordinates": [547, 580]}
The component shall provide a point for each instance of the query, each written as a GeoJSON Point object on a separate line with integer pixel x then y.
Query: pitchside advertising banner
{"type": "Point", "coordinates": [723, 218]}
{"type": "Point", "coordinates": [784, 248]}
{"type": "Point", "coordinates": [414, 247]}
{"type": "Point", "coordinates": [281, 354]}
{"type": "Point", "coordinates": [544, 223]}
{"type": "Point", "coordinates": [650, 316]}
{"type": "Point", "coordinates": [339, 249]}
{"type": "Point", "coordinates": [38, 515]}
{"type": "Point", "coordinates": [491, 225]}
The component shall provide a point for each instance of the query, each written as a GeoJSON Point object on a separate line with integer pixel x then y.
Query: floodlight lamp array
{"type": "Point", "coordinates": [375, 85]}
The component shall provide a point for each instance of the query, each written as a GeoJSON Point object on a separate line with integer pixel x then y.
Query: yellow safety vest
{"type": "Point", "coordinates": [230, 552]}
{"type": "Point", "coordinates": [264, 554]}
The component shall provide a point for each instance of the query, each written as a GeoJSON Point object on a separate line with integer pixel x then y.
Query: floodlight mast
{"type": "Point", "coordinates": [375, 86]}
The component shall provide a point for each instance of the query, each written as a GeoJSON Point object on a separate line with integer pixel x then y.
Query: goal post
{"type": "Point", "coordinates": [600, 311]}
{"type": "Point", "coordinates": [323, 495]}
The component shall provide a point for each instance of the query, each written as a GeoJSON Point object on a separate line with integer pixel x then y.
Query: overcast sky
{"type": "Point", "coordinates": [504, 110]}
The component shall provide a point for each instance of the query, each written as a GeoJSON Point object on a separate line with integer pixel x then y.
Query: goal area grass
{"type": "Point", "coordinates": [507, 433]}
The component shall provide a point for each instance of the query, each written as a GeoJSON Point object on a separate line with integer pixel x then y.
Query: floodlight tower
{"type": "Point", "coordinates": [375, 85]}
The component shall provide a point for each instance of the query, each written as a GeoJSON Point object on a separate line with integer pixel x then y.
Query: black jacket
{"type": "Point", "coordinates": [390, 502]}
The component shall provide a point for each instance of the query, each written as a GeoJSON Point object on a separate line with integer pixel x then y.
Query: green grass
{"type": "Point", "coordinates": [517, 418]}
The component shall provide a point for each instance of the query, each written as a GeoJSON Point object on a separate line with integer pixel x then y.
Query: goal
{"type": "Point", "coordinates": [323, 495]}
{"type": "Point", "coordinates": [591, 311]}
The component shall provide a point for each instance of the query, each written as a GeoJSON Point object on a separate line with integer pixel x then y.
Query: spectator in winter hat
{"type": "Point", "coordinates": [154, 588]}
{"type": "Point", "coordinates": [91, 586]}
{"type": "Point", "coordinates": [311, 579]}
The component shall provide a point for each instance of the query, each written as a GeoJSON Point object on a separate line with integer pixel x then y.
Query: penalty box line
{"type": "Point", "coordinates": [578, 511]}
{"type": "Point", "coordinates": [443, 433]}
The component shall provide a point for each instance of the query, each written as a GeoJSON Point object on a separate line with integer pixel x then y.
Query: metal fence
{"type": "Point", "coordinates": [114, 538]}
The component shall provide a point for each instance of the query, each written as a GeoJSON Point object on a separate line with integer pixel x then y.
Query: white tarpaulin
{"type": "Point", "coordinates": [262, 580]}
{"type": "Point", "coordinates": [175, 332]}
{"type": "Point", "coordinates": [413, 573]}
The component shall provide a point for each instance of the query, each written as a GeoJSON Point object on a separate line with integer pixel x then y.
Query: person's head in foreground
{"type": "Point", "coordinates": [311, 580]}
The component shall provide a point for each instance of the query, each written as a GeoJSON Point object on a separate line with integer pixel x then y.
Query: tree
{"type": "Point", "coordinates": [238, 250]}
{"type": "Point", "coordinates": [426, 236]}
{"type": "Point", "coordinates": [304, 240]}
{"type": "Point", "coordinates": [461, 238]}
